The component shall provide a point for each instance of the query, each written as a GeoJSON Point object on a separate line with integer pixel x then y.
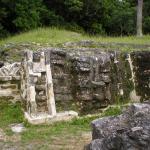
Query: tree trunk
{"type": "Point", "coordinates": [139, 18]}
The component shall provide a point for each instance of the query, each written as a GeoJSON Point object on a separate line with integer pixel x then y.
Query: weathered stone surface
{"type": "Point", "coordinates": [90, 77]}
{"type": "Point", "coordinates": [37, 85]}
{"type": "Point", "coordinates": [10, 81]}
{"type": "Point", "coordinates": [141, 61]}
{"type": "Point", "coordinates": [46, 118]}
{"type": "Point", "coordinates": [17, 128]}
{"type": "Point", "coordinates": [10, 70]}
{"type": "Point", "coordinates": [78, 69]}
{"type": "Point", "coordinates": [37, 88]}
{"type": "Point", "coordinates": [128, 131]}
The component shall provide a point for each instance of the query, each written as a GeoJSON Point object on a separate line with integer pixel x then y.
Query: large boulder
{"type": "Point", "coordinates": [128, 131]}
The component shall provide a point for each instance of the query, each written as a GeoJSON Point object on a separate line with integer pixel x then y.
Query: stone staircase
{"type": "Point", "coordinates": [37, 89]}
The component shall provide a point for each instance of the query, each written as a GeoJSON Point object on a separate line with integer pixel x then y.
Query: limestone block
{"type": "Point", "coordinates": [10, 70]}
{"type": "Point", "coordinates": [63, 97]}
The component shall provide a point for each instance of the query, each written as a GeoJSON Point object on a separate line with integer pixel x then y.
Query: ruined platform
{"type": "Point", "coordinates": [82, 79]}
{"type": "Point", "coordinates": [44, 118]}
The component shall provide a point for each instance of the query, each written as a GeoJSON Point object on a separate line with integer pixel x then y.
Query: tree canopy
{"type": "Point", "coordinates": [104, 17]}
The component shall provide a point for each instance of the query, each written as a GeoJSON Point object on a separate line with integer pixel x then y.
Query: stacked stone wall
{"type": "Point", "coordinates": [36, 83]}
{"type": "Point", "coordinates": [10, 81]}
{"type": "Point", "coordinates": [84, 79]}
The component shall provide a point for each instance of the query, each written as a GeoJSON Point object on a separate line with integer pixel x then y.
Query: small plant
{"type": "Point", "coordinates": [112, 111]}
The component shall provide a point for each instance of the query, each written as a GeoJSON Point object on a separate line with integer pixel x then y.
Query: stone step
{"type": "Point", "coordinates": [42, 104]}
{"type": "Point", "coordinates": [41, 81]}
{"type": "Point", "coordinates": [61, 76]}
{"type": "Point", "coordinates": [62, 89]}
{"type": "Point", "coordinates": [98, 84]}
{"type": "Point", "coordinates": [15, 92]}
{"type": "Point", "coordinates": [8, 86]}
{"type": "Point", "coordinates": [40, 87]}
{"type": "Point", "coordinates": [5, 78]}
{"type": "Point", "coordinates": [40, 98]}
{"type": "Point", "coordinates": [9, 92]}
{"type": "Point", "coordinates": [100, 97]}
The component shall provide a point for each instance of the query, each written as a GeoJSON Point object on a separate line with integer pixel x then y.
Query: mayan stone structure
{"type": "Point", "coordinates": [93, 79]}
{"type": "Point", "coordinates": [10, 81]}
{"type": "Point", "coordinates": [37, 89]}
{"type": "Point", "coordinates": [80, 79]}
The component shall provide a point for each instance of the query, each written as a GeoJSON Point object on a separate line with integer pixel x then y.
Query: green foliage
{"type": "Point", "coordinates": [3, 32]}
{"type": "Point", "coordinates": [73, 27]}
{"type": "Point", "coordinates": [147, 24]}
{"type": "Point", "coordinates": [74, 5]}
{"type": "Point", "coordinates": [110, 17]}
{"type": "Point", "coordinates": [96, 28]}
{"type": "Point", "coordinates": [49, 18]}
{"type": "Point", "coordinates": [27, 14]}
{"type": "Point", "coordinates": [121, 20]}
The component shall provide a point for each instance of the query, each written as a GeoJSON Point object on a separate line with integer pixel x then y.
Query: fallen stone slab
{"type": "Point", "coordinates": [42, 118]}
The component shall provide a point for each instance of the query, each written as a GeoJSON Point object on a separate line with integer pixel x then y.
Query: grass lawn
{"type": "Point", "coordinates": [58, 36]}
{"type": "Point", "coordinates": [75, 133]}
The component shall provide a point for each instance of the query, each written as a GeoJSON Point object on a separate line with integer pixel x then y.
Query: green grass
{"type": "Point", "coordinates": [57, 36]}
{"type": "Point", "coordinates": [59, 134]}
{"type": "Point", "coordinates": [44, 132]}
{"type": "Point", "coordinates": [12, 113]}
{"type": "Point", "coordinates": [112, 111]}
{"type": "Point", "coordinates": [9, 113]}
{"type": "Point", "coordinates": [74, 127]}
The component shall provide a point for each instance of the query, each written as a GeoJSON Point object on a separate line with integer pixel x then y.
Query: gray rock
{"type": "Point", "coordinates": [17, 128]}
{"type": "Point", "coordinates": [128, 131]}
{"type": "Point", "coordinates": [10, 70]}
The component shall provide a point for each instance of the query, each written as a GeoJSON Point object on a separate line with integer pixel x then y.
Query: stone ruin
{"type": "Point", "coordinates": [87, 78]}
{"type": "Point", "coordinates": [10, 81]}
{"type": "Point", "coordinates": [37, 89]}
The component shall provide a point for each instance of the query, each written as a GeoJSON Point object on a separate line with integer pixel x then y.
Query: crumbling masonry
{"type": "Point", "coordinates": [89, 79]}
